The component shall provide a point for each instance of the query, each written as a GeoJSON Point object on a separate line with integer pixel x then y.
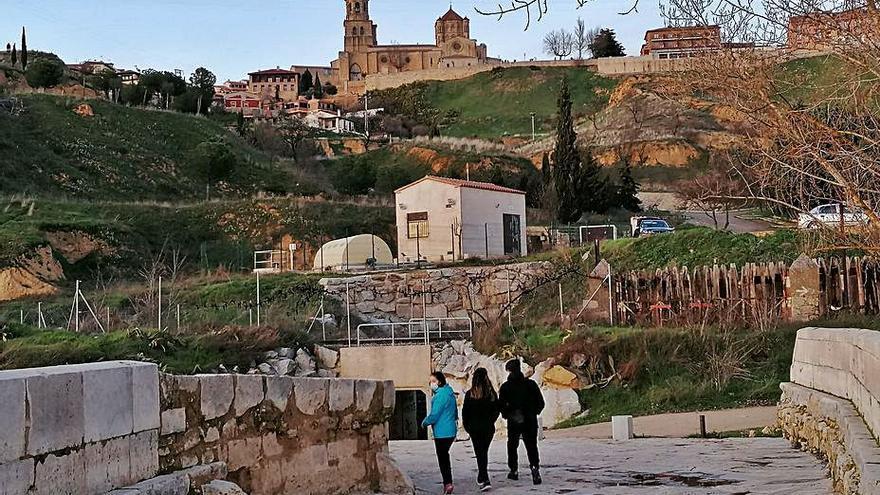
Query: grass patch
{"type": "Point", "coordinates": [701, 246]}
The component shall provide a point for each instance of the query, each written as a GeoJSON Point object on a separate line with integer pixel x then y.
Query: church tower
{"type": "Point", "coordinates": [360, 32]}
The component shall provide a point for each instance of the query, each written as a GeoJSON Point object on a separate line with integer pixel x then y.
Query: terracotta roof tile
{"type": "Point", "coordinates": [486, 186]}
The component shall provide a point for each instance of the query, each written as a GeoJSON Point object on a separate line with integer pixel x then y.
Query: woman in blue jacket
{"type": "Point", "coordinates": [444, 420]}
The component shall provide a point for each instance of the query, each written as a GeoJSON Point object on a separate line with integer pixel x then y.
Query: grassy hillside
{"type": "Point", "coordinates": [498, 103]}
{"type": "Point", "coordinates": [123, 153]}
{"type": "Point", "coordinates": [384, 170]}
{"type": "Point", "coordinates": [207, 234]}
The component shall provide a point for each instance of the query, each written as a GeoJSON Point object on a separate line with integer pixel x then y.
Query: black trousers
{"type": "Point", "coordinates": [482, 441]}
{"type": "Point", "coordinates": [442, 445]}
{"type": "Point", "coordinates": [528, 432]}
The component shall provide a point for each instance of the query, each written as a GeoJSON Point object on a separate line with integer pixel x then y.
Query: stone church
{"type": "Point", "coordinates": [362, 55]}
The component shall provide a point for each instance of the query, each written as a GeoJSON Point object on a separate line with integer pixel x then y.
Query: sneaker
{"type": "Point", "coordinates": [485, 487]}
{"type": "Point", "coordinates": [536, 476]}
{"type": "Point", "coordinates": [448, 489]}
{"type": "Point", "coordinates": [513, 475]}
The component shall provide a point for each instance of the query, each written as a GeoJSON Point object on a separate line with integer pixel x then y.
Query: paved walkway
{"type": "Point", "coordinates": [639, 467]}
{"type": "Point", "coordinates": [680, 425]}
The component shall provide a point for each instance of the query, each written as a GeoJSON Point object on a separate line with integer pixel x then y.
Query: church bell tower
{"type": "Point", "coordinates": [360, 32]}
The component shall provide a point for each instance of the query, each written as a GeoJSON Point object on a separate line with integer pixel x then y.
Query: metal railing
{"type": "Point", "coordinates": [416, 330]}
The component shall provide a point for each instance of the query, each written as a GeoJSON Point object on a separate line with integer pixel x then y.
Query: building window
{"type": "Point", "coordinates": [417, 225]}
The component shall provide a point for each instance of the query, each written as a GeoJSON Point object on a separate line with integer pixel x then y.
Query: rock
{"type": "Point", "coordinates": [286, 352]}
{"type": "Point", "coordinates": [578, 360]}
{"type": "Point", "coordinates": [84, 110]}
{"type": "Point", "coordinates": [305, 364]}
{"type": "Point", "coordinates": [268, 355]}
{"type": "Point", "coordinates": [284, 367]}
{"type": "Point", "coordinates": [218, 487]}
{"type": "Point", "coordinates": [561, 405]}
{"type": "Point", "coordinates": [392, 479]}
{"type": "Point", "coordinates": [457, 367]}
{"type": "Point", "coordinates": [266, 369]}
{"type": "Point", "coordinates": [327, 374]}
{"type": "Point", "coordinates": [560, 377]}
{"type": "Point", "coordinates": [327, 358]}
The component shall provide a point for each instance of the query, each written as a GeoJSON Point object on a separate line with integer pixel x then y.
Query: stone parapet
{"type": "Point", "coordinates": [79, 429]}
{"type": "Point", "coordinates": [113, 427]}
{"type": "Point", "coordinates": [831, 406]}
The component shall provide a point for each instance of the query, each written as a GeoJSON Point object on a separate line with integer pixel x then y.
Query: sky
{"type": "Point", "coordinates": [234, 37]}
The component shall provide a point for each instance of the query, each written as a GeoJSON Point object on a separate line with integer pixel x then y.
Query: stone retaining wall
{"type": "Point", "coordinates": [831, 407]}
{"type": "Point", "coordinates": [113, 427]}
{"type": "Point", "coordinates": [480, 293]}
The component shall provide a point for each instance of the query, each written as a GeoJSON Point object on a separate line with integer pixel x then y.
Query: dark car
{"type": "Point", "coordinates": [651, 226]}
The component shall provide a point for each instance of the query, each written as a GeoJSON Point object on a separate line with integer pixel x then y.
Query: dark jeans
{"type": "Point", "coordinates": [482, 441]}
{"type": "Point", "coordinates": [529, 434]}
{"type": "Point", "coordinates": [442, 445]}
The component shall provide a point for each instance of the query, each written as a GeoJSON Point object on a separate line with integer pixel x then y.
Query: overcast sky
{"type": "Point", "coordinates": [234, 37]}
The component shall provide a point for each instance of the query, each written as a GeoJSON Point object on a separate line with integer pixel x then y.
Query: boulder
{"type": "Point", "coordinates": [284, 366]}
{"type": "Point", "coordinates": [305, 364]}
{"type": "Point", "coordinates": [560, 377]}
{"type": "Point", "coordinates": [219, 487]}
{"type": "Point", "coordinates": [327, 358]}
{"type": "Point", "coordinates": [561, 404]}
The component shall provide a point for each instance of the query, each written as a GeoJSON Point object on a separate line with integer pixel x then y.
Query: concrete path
{"type": "Point", "coordinates": [680, 425]}
{"type": "Point", "coordinates": [639, 467]}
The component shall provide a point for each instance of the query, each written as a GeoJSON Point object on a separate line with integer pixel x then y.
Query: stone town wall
{"type": "Point", "coordinates": [79, 430]}
{"type": "Point", "coordinates": [609, 66]}
{"type": "Point", "coordinates": [480, 293]}
{"type": "Point", "coordinates": [831, 405]}
{"type": "Point", "coordinates": [280, 435]}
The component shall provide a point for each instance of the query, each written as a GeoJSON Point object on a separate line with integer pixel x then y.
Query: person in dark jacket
{"type": "Point", "coordinates": [478, 415]}
{"type": "Point", "coordinates": [444, 420]}
{"type": "Point", "coordinates": [521, 402]}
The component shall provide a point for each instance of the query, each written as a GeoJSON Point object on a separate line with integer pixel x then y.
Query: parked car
{"type": "Point", "coordinates": [642, 226]}
{"type": "Point", "coordinates": [829, 215]}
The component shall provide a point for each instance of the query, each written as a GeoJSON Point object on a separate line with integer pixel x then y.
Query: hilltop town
{"type": "Point", "coordinates": [272, 285]}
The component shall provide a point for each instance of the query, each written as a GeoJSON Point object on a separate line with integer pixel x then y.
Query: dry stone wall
{"type": "Point", "coordinates": [480, 293]}
{"type": "Point", "coordinates": [831, 405]}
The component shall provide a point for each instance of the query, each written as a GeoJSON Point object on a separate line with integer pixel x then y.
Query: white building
{"type": "Point", "coordinates": [441, 219]}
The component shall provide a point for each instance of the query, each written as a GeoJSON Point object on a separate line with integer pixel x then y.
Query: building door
{"type": "Point", "coordinates": [410, 409]}
{"type": "Point", "coordinates": [512, 235]}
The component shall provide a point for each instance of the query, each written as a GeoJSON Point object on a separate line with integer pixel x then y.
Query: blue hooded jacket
{"type": "Point", "coordinates": [444, 414]}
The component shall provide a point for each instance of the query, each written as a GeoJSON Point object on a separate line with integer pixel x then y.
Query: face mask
{"type": "Point", "coordinates": [434, 387]}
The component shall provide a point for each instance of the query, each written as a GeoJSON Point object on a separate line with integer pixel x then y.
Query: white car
{"type": "Point", "coordinates": [829, 215]}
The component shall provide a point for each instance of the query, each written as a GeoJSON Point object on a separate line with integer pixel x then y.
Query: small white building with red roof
{"type": "Point", "coordinates": [444, 219]}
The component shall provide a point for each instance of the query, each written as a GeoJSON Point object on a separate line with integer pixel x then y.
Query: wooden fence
{"type": "Point", "coordinates": [757, 294]}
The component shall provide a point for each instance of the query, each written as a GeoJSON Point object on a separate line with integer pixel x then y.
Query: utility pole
{"type": "Point", "coordinates": [533, 125]}
{"type": "Point", "coordinates": [367, 116]}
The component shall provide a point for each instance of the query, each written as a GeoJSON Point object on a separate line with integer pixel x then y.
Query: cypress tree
{"type": "Point", "coordinates": [319, 90]}
{"type": "Point", "coordinates": [546, 176]}
{"type": "Point", "coordinates": [14, 56]}
{"type": "Point", "coordinates": [628, 190]}
{"type": "Point", "coordinates": [567, 162]}
{"type": "Point", "coordinates": [24, 53]}
{"type": "Point", "coordinates": [305, 82]}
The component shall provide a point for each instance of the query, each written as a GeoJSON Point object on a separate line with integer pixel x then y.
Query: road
{"type": "Point", "coordinates": [637, 467]}
{"type": "Point", "coordinates": [667, 201]}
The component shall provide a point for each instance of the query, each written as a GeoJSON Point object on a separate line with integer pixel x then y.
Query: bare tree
{"type": "Point", "coordinates": [559, 43]}
{"type": "Point", "coordinates": [581, 38]}
{"type": "Point", "coordinates": [710, 194]}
